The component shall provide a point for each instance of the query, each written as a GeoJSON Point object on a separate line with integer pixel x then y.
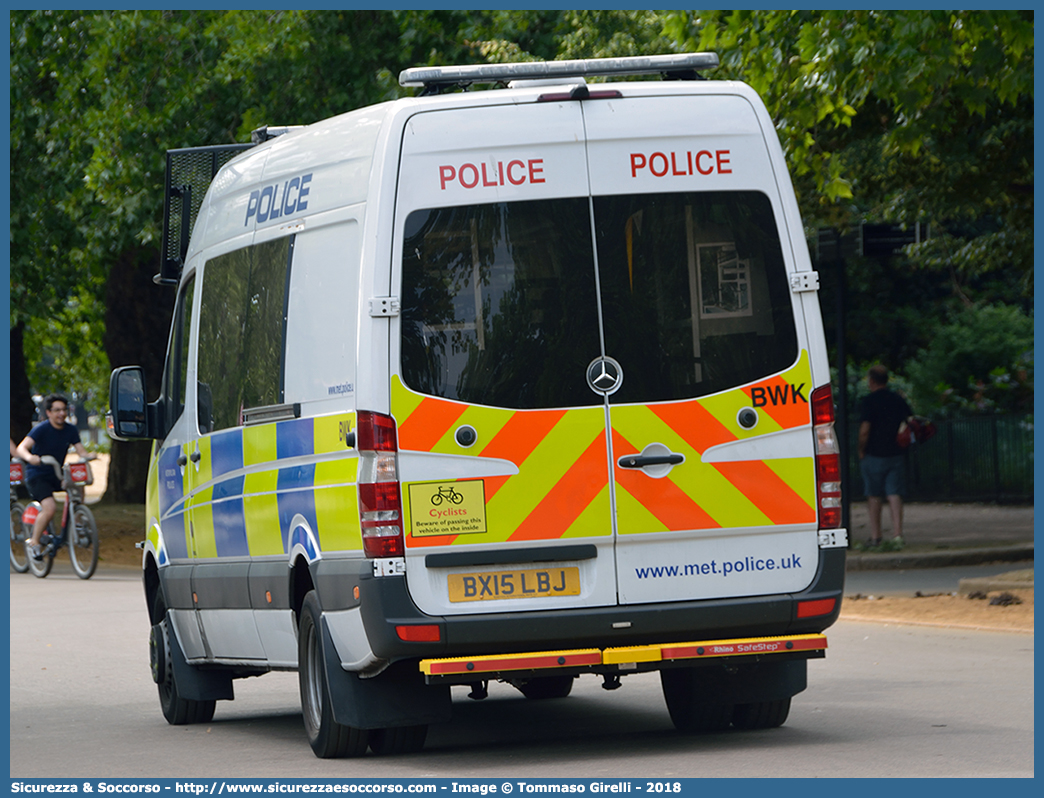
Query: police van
{"type": "Point", "coordinates": [521, 384]}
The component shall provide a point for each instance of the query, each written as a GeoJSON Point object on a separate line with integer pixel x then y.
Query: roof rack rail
{"type": "Point", "coordinates": [678, 66]}
{"type": "Point", "coordinates": [263, 134]}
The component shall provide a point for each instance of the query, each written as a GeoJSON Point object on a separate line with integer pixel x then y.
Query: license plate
{"type": "Point", "coordinates": [500, 585]}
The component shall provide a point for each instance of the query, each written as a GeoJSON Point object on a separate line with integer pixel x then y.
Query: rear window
{"type": "Point", "coordinates": [695, 295]}
{"type": "Point", "coordinates": [500, 304]}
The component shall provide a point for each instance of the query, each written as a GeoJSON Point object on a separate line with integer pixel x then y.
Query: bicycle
{"type": "Point", "coordinates": [19, 533]}
{"type": "Point", "coordinates": [77, 529]}
{"type": "Point", "coordinates": [447, 493]}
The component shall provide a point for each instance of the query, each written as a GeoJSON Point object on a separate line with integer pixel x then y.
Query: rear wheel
{"type": "Point", "coordinates": [83, 542]}
{"type": "Point", "coordinates": [19, 535]}
{"type": "Point", "coordinates": [761, 715]}
{"type": "Point", "coordinates": [692, 706]}
{"type": "Point", "coordinates": [546, 687]}
{"type": "Point", "coordinates": [327, 737]}
{"type": "Point", "coordinates": [177, 710]}
{"type": "Point", "coordinates": [398, 740]}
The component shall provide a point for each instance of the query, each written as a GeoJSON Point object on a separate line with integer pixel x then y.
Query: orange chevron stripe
{"type": "Point", "coordinates": [770, 494]}
{"type": "Point", "coordinates": [428, 423]}
{"type": "Point", "coordinates": [694, 423]}
{"type": "Point", "coordinates": [570, 496]}
{"type": "Point", "coordinates": [672, 506]}
{"type": "Point", "coordinates": [517, 439]}
{"type": "Point", "coordinates": [786, 412]}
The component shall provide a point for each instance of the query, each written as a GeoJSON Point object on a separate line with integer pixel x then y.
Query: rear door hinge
{"type": "Point", "coordinates": [384, 306]}
{"type": "Point", "coordinates": [804, 281]}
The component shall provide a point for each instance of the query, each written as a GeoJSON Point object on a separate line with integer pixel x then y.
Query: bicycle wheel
{"type": "Point", "coordinates": [19, 535]}
{"type": "Point", "coordinates": [40, 568]}
{"type": "Point", "coordinates": [83, 542]}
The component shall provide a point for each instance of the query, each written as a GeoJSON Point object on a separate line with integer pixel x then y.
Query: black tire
{"type": "Point", "coordinates": [177, 710]}
{"type": "Point", "coordinates": [40, 568]}
{"type": "Point", "coordinates": [692, 709]}
{"type": "Point", "coordinates": [83, 542]}
{"type": "Point", "coordinates": [546, 687]}
{"type": "Point", "coordinates": [328, 738]}
{"type": "Point", "coordinates": [19, 535]}
{"type": "Point", "coordinates": [398, 740]}
{"type": "Point", "coordinates": [761, 715]}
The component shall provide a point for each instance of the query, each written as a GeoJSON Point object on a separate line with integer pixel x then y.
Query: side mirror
{"type": "Point", "coordinates": [127, 407]}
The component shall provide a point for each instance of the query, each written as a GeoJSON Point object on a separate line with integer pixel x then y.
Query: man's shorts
{"type": "Point", "coordinates": [884, 476]}
{"type": "Point", "coordinates": [41, 486]}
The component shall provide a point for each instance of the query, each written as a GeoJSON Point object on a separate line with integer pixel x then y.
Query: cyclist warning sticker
{"type": "Point", "coordinates": [447, 508]}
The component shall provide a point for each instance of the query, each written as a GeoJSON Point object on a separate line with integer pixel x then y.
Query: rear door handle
{"type": "Point", "coordinates": [642, 460]}
{"type": "Point", "coordinates": [194, 457]}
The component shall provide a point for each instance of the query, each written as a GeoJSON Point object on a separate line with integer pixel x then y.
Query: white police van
{"type": "Point", "coordinates": [519, 384]}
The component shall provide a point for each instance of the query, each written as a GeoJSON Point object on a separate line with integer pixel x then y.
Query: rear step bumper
{"type": "Point", "coordinates": [629, 659]}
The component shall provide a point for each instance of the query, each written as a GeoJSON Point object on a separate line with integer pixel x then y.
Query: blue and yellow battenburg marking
{"type": "Point", "coordinates": [249, 485]}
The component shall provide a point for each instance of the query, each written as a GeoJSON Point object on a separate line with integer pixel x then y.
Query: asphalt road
{"type": "Point", "coordinates": [887, 701]}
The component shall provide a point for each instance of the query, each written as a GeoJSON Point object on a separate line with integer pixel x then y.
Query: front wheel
{"type": "Point", "coordinates": [83, 542]}
{"type": "Point", "coordinates": [327, 737]}
{"type": "Point", "coordinates": [177, 710]}
{"type": "Point", "coordinates": [40, 568]}
{"type": "Point", "coordinates": [19, 535]}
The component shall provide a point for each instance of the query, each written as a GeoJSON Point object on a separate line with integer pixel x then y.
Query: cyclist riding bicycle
{"type": "Point", "coordinates": [51, 437]}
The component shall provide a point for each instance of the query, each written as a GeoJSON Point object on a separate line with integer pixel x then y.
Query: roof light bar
{"type": "Point", "coordinates": [587, 67]}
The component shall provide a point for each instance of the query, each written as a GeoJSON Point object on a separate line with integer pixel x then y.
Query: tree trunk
{"type": "Point", "coordinates": [23, 412]}
{"type": "Point", "coordinates": [137, 319]}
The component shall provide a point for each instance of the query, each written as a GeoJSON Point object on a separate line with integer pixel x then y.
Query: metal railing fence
{"type": "Point", "coordinates": [975, 459]}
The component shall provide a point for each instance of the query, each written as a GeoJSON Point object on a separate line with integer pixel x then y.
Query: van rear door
{"type": "Point", "coordinates": [503, 453]}
{"type": "Point", "coordinates": [713, 461]}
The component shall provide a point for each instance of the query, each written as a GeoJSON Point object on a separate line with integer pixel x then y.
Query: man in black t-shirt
{"type": "Point", "coordinates": [881, 459]}
{"type": "Point", "coordinates": [53, 437]}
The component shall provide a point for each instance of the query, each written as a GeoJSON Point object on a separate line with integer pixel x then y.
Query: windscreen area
{"type": "Point", "coordinates": [500, 306]}
{"type": "Point", "coordinates": [498, 303]}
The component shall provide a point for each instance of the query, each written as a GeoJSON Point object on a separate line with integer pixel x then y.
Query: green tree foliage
{"type": "Point", "coordinates": [902, 117]}
{"type": "Point", "coordinates": [980, 362]}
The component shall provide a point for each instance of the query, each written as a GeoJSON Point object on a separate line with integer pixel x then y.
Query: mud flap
{"type": "Point", "coordinates": [396, 697]}
{"type": "Point", "coordinates": [195, 684]}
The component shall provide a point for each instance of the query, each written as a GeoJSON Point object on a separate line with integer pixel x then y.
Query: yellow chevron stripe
{"type": "Point", "coordinates": [799, 474]}
{"type": "Point", "coordinates": [634, 517]}
{"type": "Point", "coordinates": [704, 484]}
{"type": "Point", "coordinates": [490, 420]}
{"type": "Point", "coordinates": [594, 521]}
{"type": "Point", "coordinates": [542, 470]}
{"type": "Point", "coordinates": [404, 401]}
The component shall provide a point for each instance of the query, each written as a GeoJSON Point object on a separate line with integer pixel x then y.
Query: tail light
{"type": "Point", "coordinates": [828, 459]}
{"type": "Point", "coordinates": [380, 501]}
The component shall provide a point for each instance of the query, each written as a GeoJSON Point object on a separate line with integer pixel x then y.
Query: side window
{"type": "Point", "coordinates": [242, 329]}
{"type": "Point", "coordinates": [175, 371]}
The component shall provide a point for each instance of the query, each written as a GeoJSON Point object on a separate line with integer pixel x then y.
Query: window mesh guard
{"type": "Point", "coordinates": [189, 173]}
